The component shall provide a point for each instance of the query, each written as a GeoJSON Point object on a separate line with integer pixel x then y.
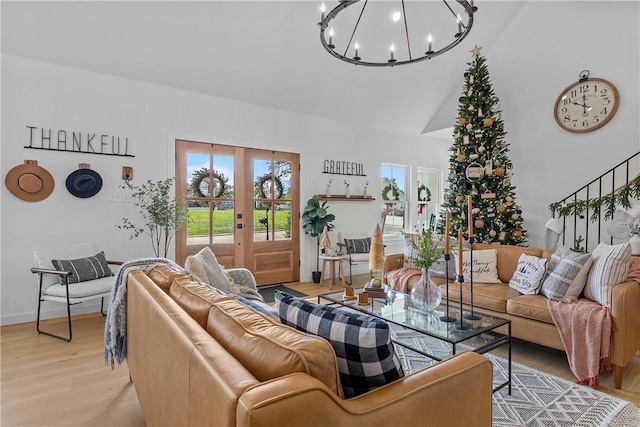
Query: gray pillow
{"type": "Point", "coordinates": [205, 263]}
{"type": "Point", "coordinates": [566, 275]}
{"type": "Point", "coordinates": [84, 269]}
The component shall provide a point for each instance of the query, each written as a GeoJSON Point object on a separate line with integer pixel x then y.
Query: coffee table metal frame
{"type": "Point", "coordinates": [397, 309]}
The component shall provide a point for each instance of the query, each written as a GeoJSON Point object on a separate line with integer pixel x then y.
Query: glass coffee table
{"type": "Point", "coordinates": [479, 335]}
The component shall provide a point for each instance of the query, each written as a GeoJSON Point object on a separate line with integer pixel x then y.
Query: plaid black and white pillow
{"type": "Point", "coordinates": [365, 354]}
{"type": "Point", "coordinates": [84, 269]}
{"type": "Point", "coordinates": [358, 246]}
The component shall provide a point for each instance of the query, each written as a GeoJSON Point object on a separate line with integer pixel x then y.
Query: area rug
{"type": "Point", "coordinates": [538, 399]}
{"type": "Point", "coordinates": [268, 291]}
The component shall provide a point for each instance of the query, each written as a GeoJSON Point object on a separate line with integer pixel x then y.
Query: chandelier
{"type": "Point", "coordinates": [389, 33]}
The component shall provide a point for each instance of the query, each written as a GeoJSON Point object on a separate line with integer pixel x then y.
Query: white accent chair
{"type": "Point", "coordinates": [53, 286]}
{"type": "Point", "coordinates": [352, 255]}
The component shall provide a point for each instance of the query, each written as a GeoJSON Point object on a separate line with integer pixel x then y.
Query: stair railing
{"type": "Point", "coordinates": [587, 211]}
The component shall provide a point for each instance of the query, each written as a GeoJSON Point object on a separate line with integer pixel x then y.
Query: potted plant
{"type": "Point", "coordinates": [314, 218]}
{"type": "Point", "coordinates": [425, 294]}
{"type": "Point", "coordinates": [163, 214]}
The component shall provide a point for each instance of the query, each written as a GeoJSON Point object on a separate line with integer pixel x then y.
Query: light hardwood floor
{"type": "Point", "coordinates": [48, 382]}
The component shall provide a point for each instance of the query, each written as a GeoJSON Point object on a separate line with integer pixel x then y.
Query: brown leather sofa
{"type": "Point", "coordinates": [198, 357]}
{"type": "Point", "coordinates": [529, 315]}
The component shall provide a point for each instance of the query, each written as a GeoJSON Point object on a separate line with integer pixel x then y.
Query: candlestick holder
{"type": "Point", "coordinates": [471, 315]}
{"type": "Point", "coordinates": [460, 324]}
{"type": "Point", "coordinates": [446, 317]}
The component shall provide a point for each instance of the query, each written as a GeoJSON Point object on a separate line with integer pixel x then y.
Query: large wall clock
{"type": "Point", "coordinates": [586, 105]}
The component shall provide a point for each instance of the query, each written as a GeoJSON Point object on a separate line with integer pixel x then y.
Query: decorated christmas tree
{"type": "Point", "coordinates": [479, 165]}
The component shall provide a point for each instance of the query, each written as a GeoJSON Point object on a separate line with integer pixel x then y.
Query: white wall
{"type": "Point", "coordinates": [152, 117]}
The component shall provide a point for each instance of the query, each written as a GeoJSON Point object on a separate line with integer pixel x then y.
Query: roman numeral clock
{"type": "Point", "coordinates": [586, 105]}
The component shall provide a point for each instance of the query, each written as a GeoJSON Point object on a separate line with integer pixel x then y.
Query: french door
{"type": "Point", "coordinates": [243, 203]}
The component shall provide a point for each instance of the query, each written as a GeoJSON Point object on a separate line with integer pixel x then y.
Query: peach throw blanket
{"type": "Point", "coordinates": [585, 330]}
{"type": "Point", "coordinates": [399, 279]}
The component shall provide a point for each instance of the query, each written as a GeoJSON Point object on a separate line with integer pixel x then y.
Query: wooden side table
{"type": "Point", "coordinates": [332, 260]}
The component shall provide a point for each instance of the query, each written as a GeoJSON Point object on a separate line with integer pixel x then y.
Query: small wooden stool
{"type": "Point", "coordinates": [332, 260]}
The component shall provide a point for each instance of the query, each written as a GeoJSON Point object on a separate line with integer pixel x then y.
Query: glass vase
{"type": "Point", "coordinates": [425, 295]}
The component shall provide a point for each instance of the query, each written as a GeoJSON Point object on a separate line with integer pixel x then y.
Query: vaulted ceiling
{"type": "Point", "coordinates": [260, 52]}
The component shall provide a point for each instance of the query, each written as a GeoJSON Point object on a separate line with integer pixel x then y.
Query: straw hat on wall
{"type": "Point", "coordinates": [29, 182]}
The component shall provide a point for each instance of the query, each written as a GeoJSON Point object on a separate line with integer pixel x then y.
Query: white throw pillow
{"type": "Point", "coordinates": [610, 267]}
{"type": "Point", "coordinates": [527, 279]}
{"type": "Point", "coordinates": [485, 266]}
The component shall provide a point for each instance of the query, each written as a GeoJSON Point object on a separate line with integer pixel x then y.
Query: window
{"type": "Point", "coordinates": [427, 198]}
{"type": "Point", "coordinates": [394, 201]}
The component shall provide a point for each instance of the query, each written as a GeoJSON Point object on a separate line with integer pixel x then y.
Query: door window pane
{"type": "Point", "coordinates": [427, 198]}
{"type": "Point", "coordinates": [199, 225]}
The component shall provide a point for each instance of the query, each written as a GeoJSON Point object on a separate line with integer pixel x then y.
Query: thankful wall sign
{"type": "Point", "coordinates": [77, 142]}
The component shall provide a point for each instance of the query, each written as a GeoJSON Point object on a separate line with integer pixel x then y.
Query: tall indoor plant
{"type": "Point", "coordinates": [314, 218]}
{"type": "Point", "coordinates": [163, 214]}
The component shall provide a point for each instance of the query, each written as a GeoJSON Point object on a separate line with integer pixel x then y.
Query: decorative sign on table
{"type": "Point", "coordinates": [340, 167]}
{"type": "Point", "coordinates": [77, 142]}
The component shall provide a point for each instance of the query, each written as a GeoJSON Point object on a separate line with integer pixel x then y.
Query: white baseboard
{"type": "Point", "coordinates": [52, 311]}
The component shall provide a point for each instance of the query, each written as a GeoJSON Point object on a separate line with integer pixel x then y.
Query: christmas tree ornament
{"type": "Point", "coordinates": [506, 182]}
{"type": "Point", "coordinates": [462, 121]}
{"type": "Point", "coordinates": [479, 223]}
{"type": "Point", "coordinates": [465, 139]}
{"type": "Point", "coordinates": [471, 107]}
{"type": "Point", "coordinates": [481, 149]}
{"type": "Point", "coordinates": [459, 199]}
{"type": "Point", "coordinates": [488, 122]}
{"type": "Point", "coordinates": [469, 126]}
{"type": "Point", "coordinates": [474, 172]}
{"type": "Point", "coordinates": [499, 170]}
{"type": "Point", "coordinates": [493, 233]}
{"type": "Point", "coordinates": [479, 112]}
{"type": "Point", "coordinates": [470, 92]}
{"type": "Point", "coordinates": [478, 133]}
{"type": "Point", "coordinates": [461, 99]}
{"type": "Point", "coordinates": [517, 233]}
{"type": "Point", "coordinates": [502, 236]}
{"type": "Point", "coordinates": [461, 156]}
{"type": "Point", "coordinates": [471, 78]}
{"type": "Point", "coordinates": [475, 211]}
{"type": "Point", "coordinates": [515, 217]}
{"type": "Point", "coordinates": [461, 181]}
{"type": "Point", "coordinates": [501, 207]}
{"type": "Point", "coordinates": [509, 199]}
{"type": "Point", "coordinates": [473, 156]}
{"type": "Point", "coordinates": [488, 194]}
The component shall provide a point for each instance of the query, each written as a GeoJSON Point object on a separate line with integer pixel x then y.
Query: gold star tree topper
{"type": "Point", "coordinates": [476, 50]}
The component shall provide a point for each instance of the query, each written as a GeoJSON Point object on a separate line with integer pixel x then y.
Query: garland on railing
{"type": "Point", "coordinates": [608, 203]}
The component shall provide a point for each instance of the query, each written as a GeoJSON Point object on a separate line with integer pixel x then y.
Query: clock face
{"type": "Point", "coordinates": [586, 105]}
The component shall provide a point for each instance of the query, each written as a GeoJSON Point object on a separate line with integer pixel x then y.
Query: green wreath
{"type": "Point", "coordinates": [390, 192]}
{"type": "Point", "coordinates": [425, 189]}
{"type": "Point", "coordinates": [262, 188]}
{"type": "Point", "coordinates": [203, 175]}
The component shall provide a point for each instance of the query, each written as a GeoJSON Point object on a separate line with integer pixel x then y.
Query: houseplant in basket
{"type": "Point", "coordinates": [425, 295]}
{"type": "Point", "coordinates": [314, 218]}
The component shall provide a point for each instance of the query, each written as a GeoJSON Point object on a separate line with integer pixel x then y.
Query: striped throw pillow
{"type": "Point", "coordinates": [610, 267]}
{"type": "Point", "coordinates": [84, 269]}
{"type": "Point", "coordinates": [566, 275]}
{"type": "Point", "coordinates": [365, 354]}
{"type": "Point", "coordinates": [358, 246]}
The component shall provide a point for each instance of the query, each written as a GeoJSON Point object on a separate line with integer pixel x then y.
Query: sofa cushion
{"type": "Point", "coordinates": [531, 307]}
{"type": "Point", "coordinates": [492, 296]}
{"type": "Point", "coordinates": [84, 269]}
{"type": "Point", "coordinates": [267, 348]}
{"type": "Point", "coordinates": [366, 357]}
{"type": "Point", "coordinates": [195, 298]}
{"type": "Point", "coordinates": [163, 275]}
{"type": "Point", "coordinates": [508, 256]}
{"type": "Point", "coordinates": [610, 267]}
{"type": "Point", "coordinates": [485, 263]}
{"type": "Point", "coordinates": [634, 269]}
{"type": "Point", "coordinates": [566, 275]}
{"type": "Point", "coordinates": [527, 278]}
